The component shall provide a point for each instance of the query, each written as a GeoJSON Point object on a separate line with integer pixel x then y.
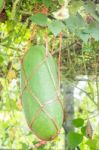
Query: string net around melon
{"type": "Point", "coordinates": [41, 106]}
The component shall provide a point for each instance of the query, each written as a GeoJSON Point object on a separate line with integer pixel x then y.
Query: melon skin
{"type": "Point", "coordinates": [40, 93]}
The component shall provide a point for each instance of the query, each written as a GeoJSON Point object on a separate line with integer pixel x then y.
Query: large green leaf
{"type": "Point", "coordinates": [78, 122]}
{"type": "Point", "coordinates": [75, 23]}
{"type": "Point", "coordinates": [91, 9]}
{"type": "Point", "coordinates": [74, 139]}
{"type": "Point", "coordinates": [56, 27]}
{"type": "Point", "coordinates": [84, 36]}
{"type": "Point", "coordinates": [93, 31]}
{"type": "Point", "coordinates": [75, 6]}
{"type": "Point", "coordinates": [39, 19]}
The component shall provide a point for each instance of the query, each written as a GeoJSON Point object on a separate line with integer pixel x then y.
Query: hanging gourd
{"type": "Point", "coordinates": [40, 93]}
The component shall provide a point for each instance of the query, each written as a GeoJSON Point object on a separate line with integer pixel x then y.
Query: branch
{"type": "Point", "coordinates": [25, 13]}
{"type": "Point", "coordinates": [55, 52]}
{"type": "Point", "coordinates": [9, 47]}
{"type": "Point", "coordinates": [14, 8]}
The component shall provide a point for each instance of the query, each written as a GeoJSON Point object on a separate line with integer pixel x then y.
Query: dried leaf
{"type": "Point", "coordinates": [19, 104]}
{"type": "Point", "coordinates": [89, 130]}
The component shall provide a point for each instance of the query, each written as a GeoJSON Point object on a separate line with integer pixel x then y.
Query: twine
{"type": "Point", "coordinates": [41, 106]}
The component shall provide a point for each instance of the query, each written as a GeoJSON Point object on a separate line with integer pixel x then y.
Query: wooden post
{"type": "Point", "coordinates": [69, 109]}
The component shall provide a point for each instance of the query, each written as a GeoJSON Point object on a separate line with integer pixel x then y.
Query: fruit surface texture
{"type": "Point", "coordinates": [41, 100]}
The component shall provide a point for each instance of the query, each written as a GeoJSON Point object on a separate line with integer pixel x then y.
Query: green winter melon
{"type": "Point", "coordinates": [40, 93]}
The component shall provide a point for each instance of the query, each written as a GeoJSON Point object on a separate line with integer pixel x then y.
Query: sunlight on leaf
{"type": "Point", "coordinates": [74, 139]}
{"type": "Point", "coordinates": [78, 122]}
{"type": "Point", "coordinates": [56, 27]}
{"type": "Point", "coordinates": [39, 19]}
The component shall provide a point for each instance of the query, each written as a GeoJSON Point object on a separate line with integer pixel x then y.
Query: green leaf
{"type": "Point", "coordinates": [75, 6]}
{"type": "Point", "coordinates": [78, 122]}
{"type": "Point", "coordinates": [1, 5]}
{"type": "Point", "coordinates": [92, 144]}
{"type": "Point", "coordinates": [90, 8]}
{"type": "Point", "coordinates": [83, 130]}
{"type": "Point", "coordinates": [39, 19]}
{"type": "Point", "coordinates": [97, 8]}
{"type": "Point", "coordinates": [84, 36]}
{"type": "Point", "coordinates": [87, 48]}
{"type": "Point", "coordinates": [39, 1]}
{"type": "Point", "coordinates": [74, 139]}
{"type": "Point", "coordinates": [93, 31]}
{"type": "Point", "coordinates": [56, 27]}
{"type": "Point", "coordinates": [1, 59]}
{"type": "Point", "coordinates": [24, 146]}
{"type": "Point", "coordinates": [75, 23]}
{"type": "Point", "coordinates": [41, 148]}
{"type": "Point", "coordinates": [47, 3]}
{"type": "Point", "coordinates": [61, 2]}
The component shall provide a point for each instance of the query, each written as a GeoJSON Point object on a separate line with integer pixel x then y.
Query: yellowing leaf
{"type": "Point", "coordinates": [11, 74]}
{"type": "Point", "coordinates": [12, 132]}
